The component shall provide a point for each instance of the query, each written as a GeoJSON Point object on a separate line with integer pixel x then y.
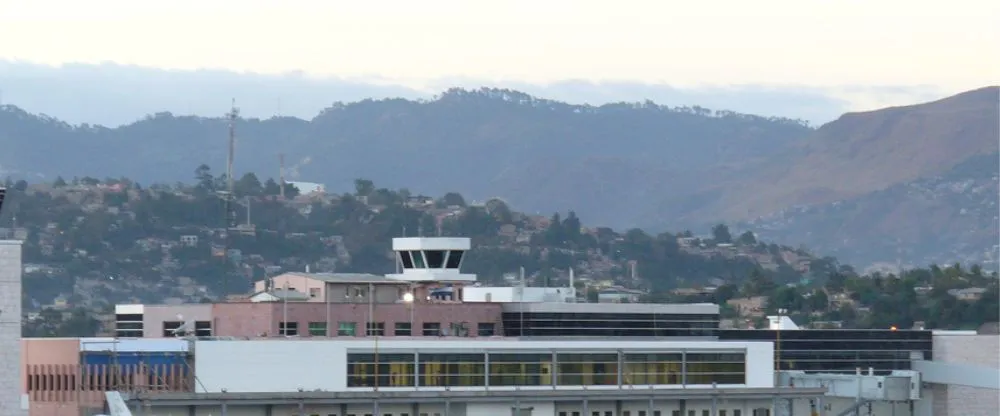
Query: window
{"type": "Point", "coordinates": [458, 329]}
{"type": "Point", "coordinates": [486, 329]}
{"type": "Point", "coordinates": [203, 328]}
{"type": "Point", "coordinates": [722, 412]}
{"type": "Point", "coordinates": [403, 329]}
{"type": "Point", "coordinates": [720, 368]}
{"type": "Point", "coordinates": [432, 329]}
{"type": "Point", "coordinates": [737, 412]}
{"type": "Point", "coordinates": [454, 259]}
{"type": "Point", "coordinates": [524, 369]}
{"type": "Point", "coordinates": [658, 368]}
{"type": "Point", "coordinates": [418, 260]}
{"type": "Point", "coordinates": [288, 328]}
{"type": "Point", "coordinates": [347, 329]}
{"type": "Point", "coordinates": [705, 413]}
{"type": "Point", "coordinates": [452, 370]}
{"type": "Point", "coordinates": [404, 257]}
{"type": "Point", "coordinates": [169, 327]}
{"type": "Point", "coordinates": [317, 329]}
{"type": "Point", "coordinates": [393, 370]}
{"type": "Point", "coordinates": [376, 329]}
{"type": "Point", "coordinates": [587, 369]}
{"type": "Point", "coordinates": [435, 258]}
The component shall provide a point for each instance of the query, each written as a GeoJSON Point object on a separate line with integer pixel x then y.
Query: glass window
{"type": "Point", "coordinates": [317, 329]}
{"type": "Point", "coordinates": [347, 329]}
{"type": "Point", "coordinates": [452, 370]}
{"type": "Point", "coordinates": [169, 328]}
{"type": "Point", "coordinates": [657, 368]}
{"type": "Point", "coordinates": [525, 369]}
{"type": "Point", "coordinates": [454, 259]}
{"type": "Point", "coordinates": [432, 329]}
{"type": "Point", "coordinates": [288, 328]}
{"type": "Point", "coordinates": [376, 329]}
{"type": "Point", "coordinates": [202, 328]}
{"type": "Point", "coordinates": [418, 260]}
{"type": "Point", "coordinates": [393, 370]}
{"type": "Point", "coordinates": [404, 257]}
{"type": "Point", "coordinates": [487, 329]}
{"type": "Point", "coordinates": [721, 368]}
{"type": "Point", "coordinates": [435, 258]}
{"type": "Point", "coordinates": [402, 329]}
{"type": "Point", "coordinates": [587, 369]}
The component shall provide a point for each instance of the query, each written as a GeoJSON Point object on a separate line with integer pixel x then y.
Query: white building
{"type": "Point", "coordinates": [511, 294]}
{"type": "Point", "coordinates": [480, 378]}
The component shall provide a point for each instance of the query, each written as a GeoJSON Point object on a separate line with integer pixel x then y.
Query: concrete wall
{"type": "Point", "coordinates": [10, 329]}
{"type": "Point", "coordinates": [980, 350]}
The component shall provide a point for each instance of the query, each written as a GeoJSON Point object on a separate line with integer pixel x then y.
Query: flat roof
{"type": "Point", "coordinates": [345, 277]}
{"type": "Point", "coordinates": [623, 308]}
{"type": "Point", "coordinates": [512, 344]}
{"type": "Point", "coordinates": [438, 396]}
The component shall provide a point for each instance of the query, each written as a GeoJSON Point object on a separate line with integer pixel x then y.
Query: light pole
{"type": "Point", "coordinates": [777, 345]}
{"type": "Point", "coordinates": [408, 299]}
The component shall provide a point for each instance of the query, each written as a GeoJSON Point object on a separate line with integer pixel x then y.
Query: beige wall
{"type": "Point", "coordinates": [154, 316]}
{"type": "Point", "coordinates": [978, 350]}
{"type": "Point", "coordinates": [300, 283]}
{"type": "Point", "coordinates": [391, 292]}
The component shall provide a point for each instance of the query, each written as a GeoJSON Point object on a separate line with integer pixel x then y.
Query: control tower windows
{"type": "Point", "coordinates": [404, 257]}
{"type": "Point", "coordinates": [418, 260]}
{"type": "Point", "coordinates": [454, 259]}
{"type": "Point", "coordinates": [435, 258]}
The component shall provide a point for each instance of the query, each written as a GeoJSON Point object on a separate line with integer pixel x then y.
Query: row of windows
{"type": "Point", "coordinates": [400, 329]}
{"type": "Point", "coordinates": [609, 324]}
{"type": "Point", "coordinates": [431, 259]}
{"type": "Point", "coordinates": [544, 369]}
{"type": "Point", "coordinates": [528, 412]}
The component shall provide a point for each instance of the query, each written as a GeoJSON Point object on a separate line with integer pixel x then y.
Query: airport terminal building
{"type": "Point", "coordinates": [429, 342]}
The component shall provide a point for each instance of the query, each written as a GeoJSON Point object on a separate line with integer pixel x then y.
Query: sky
{"type": "Point", "coordinates": [841, 46]}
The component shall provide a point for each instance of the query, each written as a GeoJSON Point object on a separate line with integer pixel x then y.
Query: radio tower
{"type": "Point", "coordinates": [228, 195]}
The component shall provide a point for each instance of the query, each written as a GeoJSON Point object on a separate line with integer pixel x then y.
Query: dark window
{"type": "Point", "coordinates": [435, 258]}
{"type": "Point", "coordinates": [129, 326]}
{"type": "Point", "coordinates": [203, 328]}
{"type": "Point", "coordinates": [129, 317]}
{"type": "Point", "coordinates": [418, 260]}
{"type": "Point", "coordinates": [376, 329]}
{"type": "Point", "coordinates": [720, 368]}
{"type": "Point", "coordinates": [432, 329]}
{"type": "Point", "coordinates": [169, 327]}
{"type": "Point", "coordinates": [587, 369]}
{"type": "Point", "coordinates": [454, 259]}
{"type": "Point", "coordinates": [288, 328]}
{"type": "Point", "coordinates": [404, 257]}
{"type": "Point", "coordinates": [317, 329]}
{"type": "Point", "coordinates": [486, 329]}
{"type": "Point", "coordinates": [403, 329]}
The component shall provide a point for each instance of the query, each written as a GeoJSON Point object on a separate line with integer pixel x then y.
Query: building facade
{"type": "Point", "coordinates": [11, 402]}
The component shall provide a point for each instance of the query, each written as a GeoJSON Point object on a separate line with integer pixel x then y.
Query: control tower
{"type": "Point", "coordinates": [431, 259]}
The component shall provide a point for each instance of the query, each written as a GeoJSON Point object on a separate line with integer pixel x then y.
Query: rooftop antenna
{"type": "Point", "coordinates": [281, 174]}
{"type": "Point", "coordinates": [229, 194]}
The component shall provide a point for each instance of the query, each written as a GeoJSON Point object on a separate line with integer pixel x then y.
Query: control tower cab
{"type": "Point", "coordinates": [431, 259]}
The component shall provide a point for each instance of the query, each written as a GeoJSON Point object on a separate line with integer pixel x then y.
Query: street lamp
{"type": "Point", "coordinates": [777, 343]}
{"type": "Point", "coordinates": [408, 299]}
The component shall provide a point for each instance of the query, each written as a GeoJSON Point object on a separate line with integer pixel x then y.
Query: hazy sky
{"type": "Point", "coordinates": [953, 45]}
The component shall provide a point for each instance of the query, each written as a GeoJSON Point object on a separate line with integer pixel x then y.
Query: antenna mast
{"type": "Point", "coordinates": [281, 174]}
{"type": "Point", "coordinates": [229, 195]}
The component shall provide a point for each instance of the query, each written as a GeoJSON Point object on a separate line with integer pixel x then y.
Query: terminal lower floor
{"type": "Point", "coordinates": [638, 407]}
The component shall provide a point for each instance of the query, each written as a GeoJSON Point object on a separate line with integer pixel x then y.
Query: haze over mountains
{"type": "Point", "coordinates": [622, 165]}
{"type": "Point", "coordinates": [111, 94]}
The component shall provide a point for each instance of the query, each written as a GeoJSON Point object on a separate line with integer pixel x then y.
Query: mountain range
{"type": "Point", "coordinates": [620, 164]}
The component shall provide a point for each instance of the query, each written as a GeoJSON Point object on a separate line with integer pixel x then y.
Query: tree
{"type": "Point", "coordinates": [747, 239]}
{"type": "Point", "coordinates": [721, 235]}
{"type": "Point", "coordinates": [59, 182]}
{"type": "Point", "coordinates": [452, 199]}
{"type": "Point", "coordinates": [363, 187]}
{"type": "Point", "coordinates": [248, 185]}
